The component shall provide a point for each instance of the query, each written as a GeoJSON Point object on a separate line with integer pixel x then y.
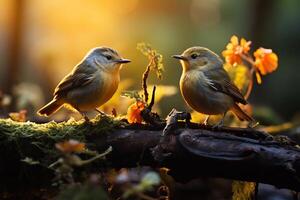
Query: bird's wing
{"type": "Point", "coordinates": [219, 80]}
{"type": "Point", "coordinates": [82, 75]}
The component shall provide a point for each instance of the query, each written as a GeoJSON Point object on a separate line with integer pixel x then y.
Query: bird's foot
{"type": "Point", "coordinates": [253, 124]}
{"type": "Point", "coordinates": [219, 125]}
{"type": "Point", "coordinates": [205, 122]}
{"type": "Point", "coordinates": [83, 114]}
{"type": "Point", "coordinates": [86, 119]}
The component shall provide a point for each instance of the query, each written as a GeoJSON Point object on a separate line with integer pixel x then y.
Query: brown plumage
{"type": "Point", "coordinates": [206, 86]}
{"type": "Point", "coordinates": [90, 84]}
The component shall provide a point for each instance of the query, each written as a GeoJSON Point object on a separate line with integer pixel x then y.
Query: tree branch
{"type": "Point", "coordinates": [189, 152]}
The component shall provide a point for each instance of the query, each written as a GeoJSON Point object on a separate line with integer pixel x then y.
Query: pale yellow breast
{"type": "Point", "coordinates": [200, 96]}
{"type": "Point", "coordinates": [95, 94]}
{"type": "Point", "coordinates": [110, 86]}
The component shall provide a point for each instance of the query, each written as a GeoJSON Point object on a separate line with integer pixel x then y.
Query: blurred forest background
{"type": "Point", "coordinates": [41, 41]}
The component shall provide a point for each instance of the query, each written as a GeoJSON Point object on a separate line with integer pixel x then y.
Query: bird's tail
{"type": "Point", "coordinates": [50, 108]}
{"type": "Point", "coordinates": [241, 114]}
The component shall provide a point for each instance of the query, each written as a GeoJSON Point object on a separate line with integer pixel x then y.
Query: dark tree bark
{"type": "Point", "coordinates": [189, 153]}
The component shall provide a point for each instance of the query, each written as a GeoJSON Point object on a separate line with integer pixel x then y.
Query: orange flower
{"type": "Point", "coordinates": [134, 112]}
{"type": "Point", "coordinates": [70, 146]}
{"type": "Point", "coordinates": [265, 60]}
{"type": "Point", "coordinates": [234, 50]}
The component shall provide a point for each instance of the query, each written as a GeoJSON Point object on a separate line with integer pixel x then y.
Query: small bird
{"type": "Point", "coordinates": [206, 87]}
{"type": "Point", "coordinates": [90, 84]}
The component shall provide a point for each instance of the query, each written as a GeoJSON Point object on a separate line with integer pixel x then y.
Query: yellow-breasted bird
{"type": "Point", "coordinates": [206, 87]}
{"type": "Point", "coordinates": [90, 84]}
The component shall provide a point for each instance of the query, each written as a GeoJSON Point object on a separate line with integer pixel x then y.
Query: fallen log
{"type": "Point", "coordinates": [189, 151]}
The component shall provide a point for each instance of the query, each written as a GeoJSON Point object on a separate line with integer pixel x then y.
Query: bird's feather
{"type": "Point", "coordinates": [81, 75]}
{"type": "Point", "coordinates": [219, 81]}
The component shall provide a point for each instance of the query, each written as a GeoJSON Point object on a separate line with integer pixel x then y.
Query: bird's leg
{"type": "Point", "coordinates": [206, 120]}
{"type": "Point", "coordinates": [100, 112]}
{"type": "Point", "coordinates": [85, 117]}
{"type": "Point", "coordinates": [83, 114]}
{"type": "Point", "coordinates": [220, 123]}
{"type": "Point", "coordinates": [253, 124]}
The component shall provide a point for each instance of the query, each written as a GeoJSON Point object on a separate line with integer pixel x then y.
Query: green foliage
{"type": "Point", "coordinates": [133, 95]}
{"type": "Point", "coordinates": [155, 58]}
{"type": "Point", "coordinates": [243, 190]}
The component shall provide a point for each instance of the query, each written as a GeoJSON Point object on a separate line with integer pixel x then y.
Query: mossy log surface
{"type": "Point", "coordinates": [189, 152]}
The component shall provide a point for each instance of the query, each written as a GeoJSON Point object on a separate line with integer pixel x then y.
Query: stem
{"type": "Point", "coordinates": [152, 98]}
{"type": "Point", "coordinates": [250, 85]}
{"type": "Point", "coordinates": [107, 151]}
{"type": "Point", "coordinates": [250, 61]}
{"type": "Point", "coordinates": [144, 83]}
{"type": "Point", "coordinates": [55, 163]}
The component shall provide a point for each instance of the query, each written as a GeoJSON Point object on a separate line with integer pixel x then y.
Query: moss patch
{"type": "Point", "coordinates": [21, 140]}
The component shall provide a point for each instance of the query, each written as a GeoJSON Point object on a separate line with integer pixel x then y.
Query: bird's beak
{"type": "Point", "coordinates": [180, 57]}
{"type": "Point", "coordinates": [123, 61]}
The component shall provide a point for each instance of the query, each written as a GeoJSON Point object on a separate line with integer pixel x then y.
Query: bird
{"type": "Point", "coordinates": [91, 83]}
{"type": "Point", "coordinates": [206, 87]}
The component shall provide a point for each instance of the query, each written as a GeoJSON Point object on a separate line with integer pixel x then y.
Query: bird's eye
{"type": "Point", "coordinates": [194, 56]}
{"type": "Point", "coordinates": [108, 57]}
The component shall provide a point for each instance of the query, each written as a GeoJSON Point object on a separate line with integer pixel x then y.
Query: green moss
{"type": "Point", "coordinates": [56, 131]}
{"type": "Point", "coordinates": [37, 141]}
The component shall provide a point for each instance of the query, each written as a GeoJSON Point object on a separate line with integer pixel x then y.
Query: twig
{"type": "Point", "coordinates": [250, 85]}
{"type": "Point", "coordinates": [247, 58]}
{"type": "Point", "coordinates": [250, 61]}
{"type": "Point", "coordinates": [102, 155]}
{"type": "Point", "coordinates": [55, 163]}
{"type": "Point", "coordinates": [149, 116]}
{"type": "Point", "coordinates": [144, 83]}
{"type": "Point", "coordinates": [152, 98]}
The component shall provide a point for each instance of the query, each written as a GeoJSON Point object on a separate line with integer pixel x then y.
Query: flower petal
{"type": "Point", "coordinates": [265, 60]}
{"type": "Point", "coordinates": [234, 50]}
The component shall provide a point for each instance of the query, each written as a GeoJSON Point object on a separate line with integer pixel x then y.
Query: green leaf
{"type": "Point", "coordinates": [133, 95]}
